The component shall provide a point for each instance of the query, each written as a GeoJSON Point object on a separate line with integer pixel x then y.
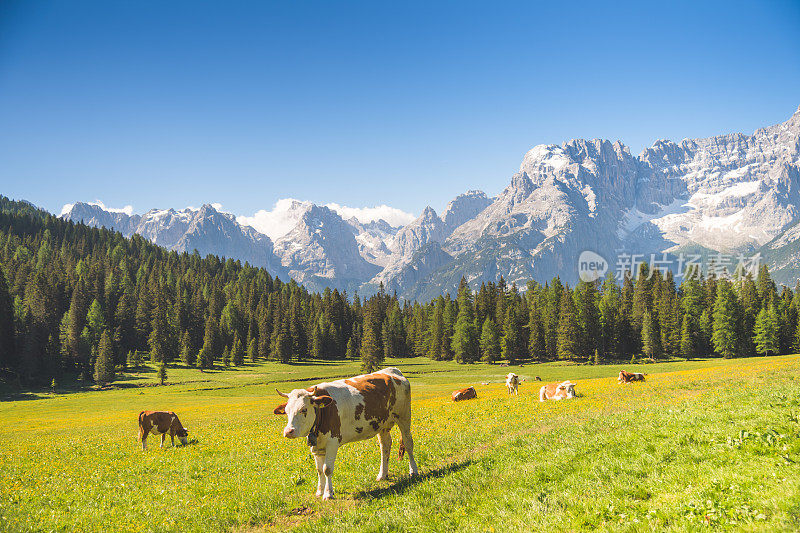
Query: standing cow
{"type": "Point", "coordinates": [161, 423]}
{"type": "Point", "coordinates": [557, 391]}
{"type": "Point", "coordinates": [349, 410]}
{"type": "Point", "coordinates": [512, 383]}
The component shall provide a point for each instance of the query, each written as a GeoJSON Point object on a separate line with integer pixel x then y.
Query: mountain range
{"type": "Point", "coordinates": [730, 194]}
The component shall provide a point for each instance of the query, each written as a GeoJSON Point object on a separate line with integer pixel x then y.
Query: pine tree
{"type": "Point", "coordinates": [766, 332]}
{"type": "Point", "coordinates": [187, 353]}
{"type": "Point", "coordinates": [510, 341]}
{"type": "Point", "coordinates": [688, 346]}
{"type": "Point", "coordinates": [6, 324]}
{"type": "Point", "coordinates": [252, 351]}
{"type": "Point", "coordinates": [651, 340]}
{"type": "Point", "coordinates": [436, 330]}
{"type": "Point", "coordinates": [205, 358]}
{"type": "Point", "coordinates": [104, 364]}
{"type": "Point", "coordinates": [726, 316]}
{"type": "Point", "coordinates": [568, 330]}
{"type": "Point", "coordinates": [352, 352]}
{"type": "Point", "coordinates": [371, 352]}
{"type": "Point", "coordinates": [490, 341]}
{"type": "Point", "coordinates": [237, 352]}
{"type": "Point", "coordinates": [537, 344]}
{"type": "Point", "coordinates": [465, 337]}
{"type": "Point", "coordinates": [162, 372]}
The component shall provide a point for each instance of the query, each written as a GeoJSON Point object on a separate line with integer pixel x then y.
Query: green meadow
{"type": "Point", "coordinates": [701, 445]}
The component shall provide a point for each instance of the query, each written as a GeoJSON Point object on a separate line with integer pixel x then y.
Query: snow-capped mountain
{"type": "Point", "coordinates": [322, 250]}
{"type": "Point", "coordinates": [732, 193]}
{"type": "Point", "coordinates": [205, 229]}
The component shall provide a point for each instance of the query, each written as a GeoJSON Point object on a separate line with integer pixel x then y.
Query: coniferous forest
{"type": "Point", "coordinates": [88, 301]}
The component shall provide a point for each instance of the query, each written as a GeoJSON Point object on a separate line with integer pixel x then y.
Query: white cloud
{"type": "Point", "coordinates": [287, 212]}
{"type": "Point", "coordinates": [128, 209]}
{"type": "Point", "coordinates": [392, 215]}
{"type": "Point", "coordinates": [278, 222]}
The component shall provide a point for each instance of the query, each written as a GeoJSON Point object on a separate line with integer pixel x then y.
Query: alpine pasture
{"type": "Point", "coordinates": [706, 444]}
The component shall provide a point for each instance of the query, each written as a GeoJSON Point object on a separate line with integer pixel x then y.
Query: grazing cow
{"type": "Point", "coordinates": [349, 410]}
{"type": "Point", "coordinates": [557, 391]}
{"type": "Point", "coordinates": [628, 377]}
{"type": "Point", "coordinates": [465, 394]}
{"type": "Point", "coordinates": [538, 378]}
{"type": "Point", "coordinates": [512, 383]}
{"type": "Point", "coordinates": [161, 422]}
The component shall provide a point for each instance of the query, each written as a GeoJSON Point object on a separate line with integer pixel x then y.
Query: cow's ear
{"type": "Point", "coordinates": [322, 401]}
{"type": "Point", "coordinates": [280, 410]}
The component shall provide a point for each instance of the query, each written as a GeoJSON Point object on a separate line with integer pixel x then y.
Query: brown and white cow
{"type": "Point", "coordinates": [628, 377]}
{"type": "Point", "coordinates": [465, 394]}
{"type": "Point", "coordinates": [557, 391]}
{"type": "Point", "coordinates": [512, 383]}
{"type": "Point", "coordinates": [161, 423]}
{"type": "Point", "coordinates": [349, 410]}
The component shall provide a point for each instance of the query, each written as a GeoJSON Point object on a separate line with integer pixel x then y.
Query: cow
{"type": "Point", "coordinates": [464, 394]}
{"type": "Point", "coordinates": [557, 391]}
{"type": "Point", "coordinates": [512, 383]}
{"type": "Point", "coordinates": [349, 410]}
{"type": "Point", "coordinates": [163, 423]}
{"type": "Point", "coordinates": [628, 377]}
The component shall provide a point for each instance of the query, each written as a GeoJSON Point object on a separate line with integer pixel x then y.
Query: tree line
{"type": "Point", "coordinates": [87, 300]}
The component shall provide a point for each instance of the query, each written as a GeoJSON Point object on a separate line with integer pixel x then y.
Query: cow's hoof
{"type": "Point", "coordinates": [319, 494]}
{"type": "Point", "coordinates": [381, 477]}
{"type": "Point", "coordinates": [327, 497]}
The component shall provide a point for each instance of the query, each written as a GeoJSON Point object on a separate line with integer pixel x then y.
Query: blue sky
{"type": "Point", "coordinates": [169, 104]}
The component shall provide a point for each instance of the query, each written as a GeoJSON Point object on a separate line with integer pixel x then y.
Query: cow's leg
{"type": "Point", "coordinates": [408, 444]}
{"type": "Point", "coordinates": [144, 441]}
{"type": "Point", "coordinates": [163, 438]}
{"type": "Point", "coordinates": [172, 439]}
{"type": "Point", "coordinates": [330, 459]}
{"type": "Point", "coordinates": [319, 460]}
{"type": "Point", "coordinates": [385, 440]}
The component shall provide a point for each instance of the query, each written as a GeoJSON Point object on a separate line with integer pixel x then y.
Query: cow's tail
{"type": "Point", "coordinates": [141, 424]}
{"type": "Point", "coordinates": [402, 450]}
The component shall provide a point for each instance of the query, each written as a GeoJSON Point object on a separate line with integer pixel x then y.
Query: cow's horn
{"type": "Point", "coordinates": [314, 391]}
{"type": "Point", "coordinates": [282, 393]}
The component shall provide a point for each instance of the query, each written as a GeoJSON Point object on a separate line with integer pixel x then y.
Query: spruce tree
{"type": "Point", "coordinates": [766, 332]}
{"type": "Point", "coordinates": [6, 324]}
{"type": "Point", "coordinates": [465, 337]}
{"type": "Point", "coordinates": [237, 352]}
{"type": "Point", "coordinates": [688, 345]}
{"type": "Point", "coordinates": [252, 350]}
{"type": "Point", "coordinates": [651, 340]}
{"type": "Point", "coordinates": [490, 341]}
{"type": "Point", "coordinates": [568, 330]}
{"type": "Point", "coordinates": [436, 330]}
{"type": "Point", "coordinates": [104, 364]}
{"type": "Point", "coordinates": [162, 372]}
{"type": "Point", "coordinates": [187, 354]}
{"type": "Point", "coordinates": [371, 352]}
{"type": "Point", "coordinates": [726, 317]}
{"type": "Point", "coordinates": [510, 341]}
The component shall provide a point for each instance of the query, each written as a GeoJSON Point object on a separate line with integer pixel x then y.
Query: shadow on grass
{"type": "Point", "coordinates": [408, 482]}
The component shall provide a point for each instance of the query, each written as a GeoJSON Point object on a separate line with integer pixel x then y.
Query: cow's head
{"type": "Point", "coordinates": [569, 389]}
{"type": "Point", "coordinates": [299, 408]}
{"type": "Point", "coordinates": [183, 435]}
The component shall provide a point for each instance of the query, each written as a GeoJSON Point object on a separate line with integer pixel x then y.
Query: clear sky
{"type": "Point", "coordinates": [175, 103]}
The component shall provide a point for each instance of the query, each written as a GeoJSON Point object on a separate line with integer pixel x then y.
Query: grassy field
{"type": "Point", "coordinates": [709, 444]}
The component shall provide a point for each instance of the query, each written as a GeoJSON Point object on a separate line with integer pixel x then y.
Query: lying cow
{"type": "Point", "coordinates": [161, 423]}
{"type": "Point", "coordinates": [628, 377]}
{"type": "Point", "coordinates": [512, 383]}
{"type": "Point", "coordinates": [349, 410]}
{"type": "Point", "coordinates": [465, 394]}
{"type": "Point", "coordinates": [557, 391]}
